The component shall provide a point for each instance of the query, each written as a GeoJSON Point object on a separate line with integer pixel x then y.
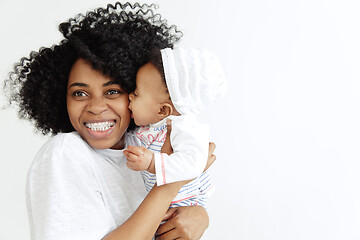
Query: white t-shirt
{"type": "Point", "coordinates": [76, 192]}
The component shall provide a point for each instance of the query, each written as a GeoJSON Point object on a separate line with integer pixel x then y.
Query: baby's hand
{"type": "Point", "coordinates": [140, 159]}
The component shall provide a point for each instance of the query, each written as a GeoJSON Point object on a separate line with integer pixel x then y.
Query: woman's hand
{"type": "Point", "coordinates": [188, 223]}
{"type": "Point", "coordinates": [211, 156]}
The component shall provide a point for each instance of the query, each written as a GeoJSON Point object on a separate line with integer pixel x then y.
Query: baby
{"type": "Point", "coordinates": [175, 85]}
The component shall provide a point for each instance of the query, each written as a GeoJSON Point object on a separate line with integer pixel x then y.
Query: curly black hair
{"type": "Point", "coordinates": [116, 40]}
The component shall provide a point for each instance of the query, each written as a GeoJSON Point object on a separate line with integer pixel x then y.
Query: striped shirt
{"type": "Point", "coordinates": [194, 193]}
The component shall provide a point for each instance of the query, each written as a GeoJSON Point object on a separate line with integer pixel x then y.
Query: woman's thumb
{"type": "Point", "coordinates": [168, 125]}
{"type": "Point", "coordinates": [169, 214]}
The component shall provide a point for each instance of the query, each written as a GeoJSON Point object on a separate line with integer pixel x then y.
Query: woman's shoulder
{"type": "Point", "coordinates": [63, 148]}
{"type": "Point", "coordinates": [65, 141]}
{"type": "Point", "coordinates": [61, 137]}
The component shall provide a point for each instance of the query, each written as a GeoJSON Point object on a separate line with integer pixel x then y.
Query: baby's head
{"type": "Point", "coordinates": [151, 102]}
{"type": "Point", "coordinates": [176, 82]}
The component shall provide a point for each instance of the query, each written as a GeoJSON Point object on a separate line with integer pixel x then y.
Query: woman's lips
{"type": "Point", "coordinates": [100, 126]}
{"type": "Point", "coordinates": [99, 129]}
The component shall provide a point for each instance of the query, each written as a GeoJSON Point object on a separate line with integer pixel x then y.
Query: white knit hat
{"type": "Point", "coordinates": [194, 78]}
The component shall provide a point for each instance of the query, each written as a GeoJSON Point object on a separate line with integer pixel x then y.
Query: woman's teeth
{"type": "Point", "coordinates": [100, 126]}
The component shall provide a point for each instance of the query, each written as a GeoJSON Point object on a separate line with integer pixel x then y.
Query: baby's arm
{"type": "Point", "coordinates": [183, 155]}
{"type": "Point", "coordinates": [140, 159]}
{"type": "Point", "coordinates": [189, 141]}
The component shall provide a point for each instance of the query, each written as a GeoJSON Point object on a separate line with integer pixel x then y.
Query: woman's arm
{"type": "Point", "coordinates": [64, 201]}
{"type": "Point", "coordinates": [186, 222]}
{"type": "Point", "coordinates": [146, 219]}
{"type": "Point", "coordinates": [183, 223]}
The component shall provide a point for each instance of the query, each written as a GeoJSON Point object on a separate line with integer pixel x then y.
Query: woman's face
{"type": "Point", "coordinates": [97, 107]}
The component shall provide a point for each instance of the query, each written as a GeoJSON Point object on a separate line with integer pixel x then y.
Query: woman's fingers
{"type": "Point", "coordinates": [168, 125]}
{"type": "Point", "coordinates": [170, 235]}
{"type": "Point", "coordinates": [169, 214]}
{"type": "Point", "coordinates": [167, 226]}
{"type": "Point", "coordinates": [211, 156]}
{"type": "Point", "coordinates": [210, 161]}
{"type": "Point", "coordinates": [164, 229]}
{"type": "Point", "coordinates": [167, 148]}
{"type": "Point", "coordinates": [186, 223]}
{"type": "Point", "coordinates": [212, 147]}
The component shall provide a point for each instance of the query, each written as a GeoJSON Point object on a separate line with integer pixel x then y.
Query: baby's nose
{"type": "Point", "coordinates": [131, 95]}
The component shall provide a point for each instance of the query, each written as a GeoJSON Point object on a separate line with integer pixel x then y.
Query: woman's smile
{"type": "Point", "coordinates": [97, 107]}
{"type": "Point", "coordinates": [100, 126]}
{"type": "Point", "coordinates": [100, 129]}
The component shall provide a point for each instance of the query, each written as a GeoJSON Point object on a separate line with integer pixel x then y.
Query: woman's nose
{"type": "Point", "coordinates": [97, 105]}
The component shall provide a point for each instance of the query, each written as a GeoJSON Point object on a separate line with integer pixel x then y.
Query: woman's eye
{"type": "Point", "coordinates": [111, 92]}
{"type": "Point", "coordinates": [79, 94]}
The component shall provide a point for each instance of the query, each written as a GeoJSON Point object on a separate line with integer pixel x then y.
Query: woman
{"type": "Point", "coordinates": [78, 185]}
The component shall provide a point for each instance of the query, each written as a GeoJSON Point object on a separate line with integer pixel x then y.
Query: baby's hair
{"type": "Point", "coordinates": [155, 59]}
{"type": "Point", "coordinates": [115, 40]}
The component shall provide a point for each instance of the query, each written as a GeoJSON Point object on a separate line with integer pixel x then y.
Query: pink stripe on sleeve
{"type": "Point", "coordinates": [183, 199]}
{"type": "Point", "coordinates": [163, 167]}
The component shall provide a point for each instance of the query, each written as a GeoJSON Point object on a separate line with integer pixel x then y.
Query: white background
{"type": "Point", "coordinates": [287, 133]}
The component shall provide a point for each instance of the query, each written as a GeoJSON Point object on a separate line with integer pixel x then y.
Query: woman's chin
{"type": "Point", "coordinates": [105, 144]}
{"type": "Point", "coordinates": [104, 139]}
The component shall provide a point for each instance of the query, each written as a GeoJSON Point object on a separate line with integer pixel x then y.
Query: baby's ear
{"type": "Point", "coordinates": [165, 110]}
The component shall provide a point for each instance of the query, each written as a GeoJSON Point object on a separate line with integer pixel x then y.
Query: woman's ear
{"type": "Point", "coordinates": [165, 110]}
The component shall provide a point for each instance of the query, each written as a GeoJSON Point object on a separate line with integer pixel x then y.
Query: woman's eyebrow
{"type": "Point", "coordinates": [78, 84]}
{"type": "Point", "coordinates": [110, 83]}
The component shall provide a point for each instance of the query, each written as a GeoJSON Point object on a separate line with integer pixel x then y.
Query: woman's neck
{"type": "Point", "coordinates": [120, 145]}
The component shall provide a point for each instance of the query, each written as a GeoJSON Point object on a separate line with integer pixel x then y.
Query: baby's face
{"type": "Point", "coordinates": [150, 93]}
